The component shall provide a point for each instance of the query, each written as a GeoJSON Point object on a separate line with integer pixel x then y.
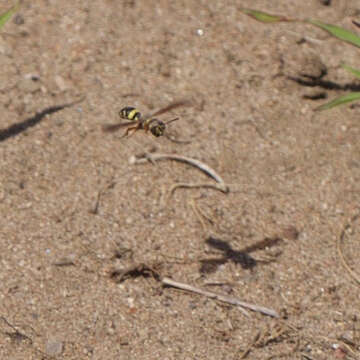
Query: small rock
{"type": "Point", "coordinates": [54, 347]}
{"type": "Point", "coordinates": [60, 82]}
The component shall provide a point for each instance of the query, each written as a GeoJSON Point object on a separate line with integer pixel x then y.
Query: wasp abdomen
{"type": "Point", "coordinates": [130, 113]}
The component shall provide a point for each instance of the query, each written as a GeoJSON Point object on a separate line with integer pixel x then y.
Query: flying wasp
{"type": "Point", "coordinates": [138, 122]}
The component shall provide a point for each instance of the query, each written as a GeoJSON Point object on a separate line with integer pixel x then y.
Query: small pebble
{"type": "Point", "coordinates": [54, 347]}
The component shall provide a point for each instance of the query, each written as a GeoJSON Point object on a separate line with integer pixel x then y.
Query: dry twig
{"type": "Point", "coordinates": [221, 185]}
{"type": "Point", "coordinates": [200, 214]}
{"type": "Point", "coordinates": [223, 298]}
{"type": "Point", "coordinates": [341, 255]}
{"type": "Point", "coordinates": [246, 352]}
{"type": "Point", "coordinates": [144, 269]}
{"type": "Point", "coordinates": [15, 335]}
{"type": "Point", "coordinates": [100, 193]}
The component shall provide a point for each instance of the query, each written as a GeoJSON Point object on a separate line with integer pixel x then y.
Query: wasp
{"type": "Point", "coordinates": [138, 122]}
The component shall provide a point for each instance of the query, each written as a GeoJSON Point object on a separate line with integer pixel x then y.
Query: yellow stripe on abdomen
{"type": "Point", "coordinates": [133, 114]}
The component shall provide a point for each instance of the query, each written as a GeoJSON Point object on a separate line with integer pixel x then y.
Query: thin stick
{"type": "Point", "coordinates": [356, 23]}
{"type": "Point", "coordinates": [341, 255]}
{"type": "Point", "coordinates": [100, 193]}
{"type": "Point", "coordinates": [199, 214]}
{"type": "Point", "coordinates": [223, 298]}
{"type": "Point", "coordinates": [246, 352]}
{"type": "Point", "coordinates": [221, 187]}
{"type": "Point", "coordinates": [308, 38]}
{"type": "Point", "coordinates": [193, 162]}
{"type": "Point", "coordinates": [16, 335]}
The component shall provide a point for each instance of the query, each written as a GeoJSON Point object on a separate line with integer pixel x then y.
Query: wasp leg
{"type": "Point", "coordinates": [130, 131]}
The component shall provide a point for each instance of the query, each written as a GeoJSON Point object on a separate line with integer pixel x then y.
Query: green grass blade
{"type": "Point", "coordinates": [339, 101]}
{"type": "Point", "coordinates": [352, 70]}
{"type": "Point", "coordinates": [264, 17]}
{"type": "Point", "coordinates": [338, 32]}
{"type": "Point", "coordinates": [7, 15]}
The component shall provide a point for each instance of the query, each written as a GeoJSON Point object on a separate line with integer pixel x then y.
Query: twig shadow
{"type": "Point", "coordinates": [16, 129]}
{"type": "Point", "coordinates": [318, 81]}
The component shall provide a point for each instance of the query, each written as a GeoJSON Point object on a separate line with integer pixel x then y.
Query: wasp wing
{"type": "Point", "coordinates": [169, 107]}
{"type": "Point", "coordinates": [115, 127]}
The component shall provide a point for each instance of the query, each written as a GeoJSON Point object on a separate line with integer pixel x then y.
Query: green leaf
{"type": "Point", "coordinates": [352, 70]}
{"type": "Point", "coordinates": [339, 101]}
{"type": "Point", "coordinates": [338, 32]}
{"type": "Point", "coordinates": [264, 17]}
{"type": "Point", "coordinates": [7, 15]}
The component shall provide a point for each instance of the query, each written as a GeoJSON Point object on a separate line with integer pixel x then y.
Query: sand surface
{"type": "Point", "coordinates": [76, 210]}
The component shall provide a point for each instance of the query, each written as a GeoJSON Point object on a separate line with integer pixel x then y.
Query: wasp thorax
{"type": "Point", "coordinates": [157, 128]}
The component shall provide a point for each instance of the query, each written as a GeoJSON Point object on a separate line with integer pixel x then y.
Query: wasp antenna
{"type": "Point", "coordinates": [170, 121]}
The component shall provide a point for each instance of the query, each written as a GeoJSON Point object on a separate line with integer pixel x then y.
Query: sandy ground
{"type": "Point", "coordinates": [75, 211]}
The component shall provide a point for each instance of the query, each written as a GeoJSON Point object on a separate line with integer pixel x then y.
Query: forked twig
{"type": "Point", "coordinates": [199, 213]}
{"type": "Point", "coordinates": [221, 185]}
{"type": "Point", "coordinates": [223, 298]}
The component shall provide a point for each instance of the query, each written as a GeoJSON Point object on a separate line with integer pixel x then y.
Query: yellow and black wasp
{"type": "Point", "coordinates": [138, 122]}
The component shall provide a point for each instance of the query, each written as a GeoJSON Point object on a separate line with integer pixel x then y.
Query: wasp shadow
{"type": "Point", "coordinates": [18, 128]}
{"type": "Point", "coordinates": [240, 257]}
